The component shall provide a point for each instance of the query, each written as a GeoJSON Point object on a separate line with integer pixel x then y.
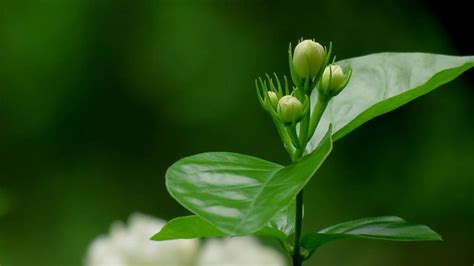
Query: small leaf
{"type": "Point", "coordinates": [381, 228]}
{"type": "Point", "coordinates": [383, 82]}
{"type": "Point", "coordinates": [187, 227]}
{"type": "Point", "coordinates": [193, 226]}
{"type": "Point", "coordinates": [240, 194]}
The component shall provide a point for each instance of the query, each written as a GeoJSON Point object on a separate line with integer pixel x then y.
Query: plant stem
{"type": "Point", "coordinates": [304, 129]}
{"type": "Point", "coordinates": [318, 111]}
{"type": "Point", "coordinates": [315, 117]}
{"type": "Point", "coordinates": [285, 139]}
{"type": "Point", "coordinates": [294, 137]}
{"type": "Point", "coordinates": [297, 259]}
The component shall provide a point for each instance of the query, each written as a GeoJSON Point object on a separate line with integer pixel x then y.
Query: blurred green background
{"type": "Point", "coordinates": [98, 98]}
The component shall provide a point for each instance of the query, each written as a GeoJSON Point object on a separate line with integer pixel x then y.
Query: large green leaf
{"type": "Point", "coordinates": [193, 226]}
{"type": "Point", "coordinates": [382, 228]}
{"type": "Point", "coordinates": [240, 194]}
{"type": "Point", "coordinates": [383, 82]}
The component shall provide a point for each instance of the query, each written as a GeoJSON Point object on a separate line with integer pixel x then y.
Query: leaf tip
{"type": "Point", "coordinates": [156, 237]}
{"type": "Point", "coordinates": [438, 237]}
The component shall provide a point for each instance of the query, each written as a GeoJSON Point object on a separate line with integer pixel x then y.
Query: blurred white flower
{"type": "Point", "coordinates": [131, 246]}
{"type": "Point", "coordinates": [238, 251]}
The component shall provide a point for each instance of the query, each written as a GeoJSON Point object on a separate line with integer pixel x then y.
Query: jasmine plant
{"type": "Point", "coordinates": [232, 194]}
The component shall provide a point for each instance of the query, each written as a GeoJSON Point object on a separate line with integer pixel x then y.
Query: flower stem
{"type": "Point", "coordinates": [316, 115]}
{"type": "Point", "coordinates": [285, 139]}
{"type": "Point", "coordinates": [297, 259]}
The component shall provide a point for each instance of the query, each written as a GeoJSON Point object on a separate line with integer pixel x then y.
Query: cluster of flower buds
{"type": "Point", "coordinates": [278, 102]}
{"type": "Point", "coordinates": [310, 69]}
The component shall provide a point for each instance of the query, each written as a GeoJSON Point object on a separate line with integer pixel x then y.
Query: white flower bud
{"type": "Point", "coordinates": [290, 109]}
{"type": "Point", "coordinates": [333, 78]}
{"type": "Point", "coordinates": [308, 58]}
{"type": "Point", "coordinates": [273, 99]}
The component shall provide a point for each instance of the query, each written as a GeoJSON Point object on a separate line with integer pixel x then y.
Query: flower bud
{"type": "Point", "coordinates": [308, 58]}
{"type": "Point", "coordinates": [273, 99]}
{"type": "Point", "coordinates": [333, 78]}
{"type": "Point", "coordinates": [290, 109]}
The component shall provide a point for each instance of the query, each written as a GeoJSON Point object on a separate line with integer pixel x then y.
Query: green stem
{"type": "Point", "coordinates": [315, 117]}
{"type": "Point", "coordinates": [297, 258]}
{"type": "Point", "coordinates": [285, 139]}
{"type": "Point", "coordinates": [318, 111]}
{"type": "Point", "coordinates": [304, 124]}
{"type": "Point", "coordinates": [293, 136]}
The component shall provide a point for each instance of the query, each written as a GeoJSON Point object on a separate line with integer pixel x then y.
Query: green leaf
{"type": "Point", "coordinates": [193, 226]}
{"type": "Point", "coordinates": [381, 228]}
{"type": "Point", "coordinates": [240, 194]}
{"type": "Point", "coordinates": [383, 82]}
{"type": "Point", "coordinates": [187, 227]}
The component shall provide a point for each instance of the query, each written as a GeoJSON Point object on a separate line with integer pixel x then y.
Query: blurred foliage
{"type": "Point", "coordinates": [98, 98]}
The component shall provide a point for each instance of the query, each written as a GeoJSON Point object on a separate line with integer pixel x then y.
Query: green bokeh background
{"type": "Point", "coordinates": [98, 98]}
